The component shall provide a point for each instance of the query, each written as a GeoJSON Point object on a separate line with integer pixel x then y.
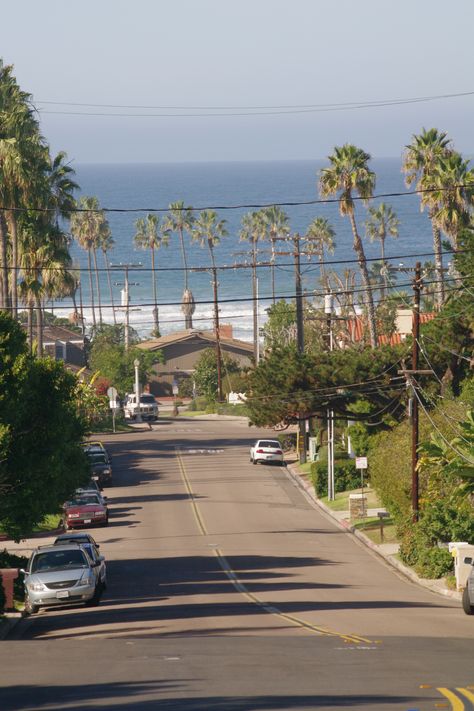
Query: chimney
{"type": "Point", "coordinates": [225, 330]}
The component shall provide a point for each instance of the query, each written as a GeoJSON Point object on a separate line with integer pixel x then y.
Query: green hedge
{"type": "Point", "coordinates": [346, 477]}
{"type": "Point", "coordinates": [10, 560]}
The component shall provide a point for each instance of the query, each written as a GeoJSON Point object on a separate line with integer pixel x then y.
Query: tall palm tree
{"type": "Point", "coordinates": [254, 228]}
{"type": "Point", "coordinates": [208, 230]}
{"type": "Point", "coordinates": [381, 224]}
{"type": "Point", "coordinates": [106, 243]}
{"type": "Point", "coordinates": [179, 220]}
{"type": "Point", "coordinates": [320, 237]}
{"type": "Point", "coordinates": [452, 192]}
{"type": "Point", "coordinates": [420, 165]}
{"type": "Point", "coordinates": [277, 227]}
{"type": "Point", "coordinates": [348, 173]}
{"type": "Point", "coordinates": [84, 227]}
{"type": "Point", "coordinates": [151, 235]}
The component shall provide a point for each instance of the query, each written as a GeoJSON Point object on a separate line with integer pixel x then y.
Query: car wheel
{"type": "Point", "coordinates": [254, 461]}
{"type": "Point", "coordinates": [466, 602]}
{"type": "Point", "coordinates": [95, 599]}
{"type": "Point", "coordinates": [30, 607]}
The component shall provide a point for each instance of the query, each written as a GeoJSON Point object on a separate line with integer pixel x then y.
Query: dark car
{"type": "Point", "coordinates": [100, 467]}
{"type": "Point", "coordinates": [85, 510]}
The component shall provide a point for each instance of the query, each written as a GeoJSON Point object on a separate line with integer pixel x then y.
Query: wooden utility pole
{"type": "Point", "coordinates": [218, 337]}
{"type": "Point", "coordinates": [299, 339]}
{"type": "Point", "coordinates": [417, 286]}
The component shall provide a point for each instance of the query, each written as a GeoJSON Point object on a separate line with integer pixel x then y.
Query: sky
{"type": "Point", "coordinates": [250, 53]}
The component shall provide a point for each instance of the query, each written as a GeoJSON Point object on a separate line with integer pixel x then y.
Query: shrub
{"type": "Point", "coordinates": [346, 476]}
{"type": "Point", "coordinates": [434, 562]}
{"type": "Point", "coordinates": [287, 441]}
{"type": "Point", "coordinates": [2, 597]}
{"type": "Point", "coordinates": [10, 560]}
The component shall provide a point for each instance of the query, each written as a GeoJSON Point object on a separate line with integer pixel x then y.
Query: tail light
{"type": "Point", "coordinates": [260, 451]}
{"type": "Point", "coordinates": [278, 451]}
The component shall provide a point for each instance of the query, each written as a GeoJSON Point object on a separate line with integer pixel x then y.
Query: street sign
{"type": "Point", "coordinates": [361, 462]}
{"type": "Point", "coordinates": [112, 394]}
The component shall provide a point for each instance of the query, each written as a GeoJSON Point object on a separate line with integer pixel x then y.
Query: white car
{"type": "Point", "coordinates": [468, 594]}
{"type": "Point", "coordinates": [266, 450]}
{"type": "Point", "coordinates": [148, 407]}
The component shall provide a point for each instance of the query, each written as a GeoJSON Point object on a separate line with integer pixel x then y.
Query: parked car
{"type": "Point", "coordinates": [468, 593]}
{"type": "Point", "coordinates": [266, 450]}
{"type": "Point", "coordinates": [92, 490]}
{"type": "Point", "coordinates": [85, 510]}
{"type": "Point", "coordinates": [86, 541]}
{"type": "Point", "coordinates": [56, 575]}
{"type": "Point", "coordinates": [100, 467]}
{"type": "Point", "coordinates": [148, 406]}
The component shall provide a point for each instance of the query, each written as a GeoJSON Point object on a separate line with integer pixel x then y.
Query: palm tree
{"type": "Point", "coordinates": [84, 227]}
{"type": "Point", "coordinates": [208, 230]}
{"type": "Point", "coordinates": [421, 165]}
{"type": "Point", "coordinates": [320, 236]}
{"type": "Point", "coordinates": [452, 192]}
{"type": "Point", "coordinates": [349, 173]}
{"type": "Point", "coordinates": [382, 223]}
{"type": "Point", "coordinates": [106, 242]}
{"type": "Point", "coordinates": [254, 228]}
{"type": "Point", "coordinates": [180, 220]}
{"type": "Point", "coordinates": [150, 235]}
{"type": "Point", "coordinates": [276, 221]}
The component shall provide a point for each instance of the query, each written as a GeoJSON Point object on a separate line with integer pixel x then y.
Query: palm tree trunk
{"type": "Point", "coordinates": [4, 264]}
{"type": "Point", "coordinates": [30, 325]}
{"type": "Point", "coordinates": [39, 325]}
{"type": "Point", "coordinates": [383, 290]}
{"type": "Point", "coordinates": [107, 267]}
{"type": "Point", "coordinates": [14, 262]}
{"type": "Point", "coordinates": [255, 305]}
{"type": "Point", "coordinates": [438, 255]}
{"type": "Point", "coordinates": [156, 328]}
{"type": "Point", "coordinates": [273, 268]}
{"type": "Point", "coordinates": [91, 286]}
{"type": "Point", "coordinates": [369, 301]}
{"type": "Point", "coordinates": [183, 255]}
{"type": "Point", "coordinates": [99, 300]}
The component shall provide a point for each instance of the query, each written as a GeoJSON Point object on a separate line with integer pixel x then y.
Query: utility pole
{"type": "Point", "coordinates": [218, 336]}
{"type": "Point", "coordinates": [328, 307]}
{"type": "Point", "coordinates": [409, 373]}
{"type": "Point", "coordinates": [126, 296]}
{"type": "Point", "coordinates": [299, 338]}
{"type": "Point", "coordinates": [417, 286]}
{"type": "Point", "coordinates": [255, 302]}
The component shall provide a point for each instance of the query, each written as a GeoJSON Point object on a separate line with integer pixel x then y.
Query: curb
{"type": "Point", "coordinates": [9, 621]}
{"type": "Point", "coordinates": [296, 477]}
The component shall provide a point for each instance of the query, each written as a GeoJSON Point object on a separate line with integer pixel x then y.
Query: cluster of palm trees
{"type": "Point", "coordinates": [36, 191]}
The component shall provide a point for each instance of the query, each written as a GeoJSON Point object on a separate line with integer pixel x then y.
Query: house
{"type": "Point", "coordinates": [356, 327]}
{"type": "Point", "coordinates": [62, 344]}
{"type": "Point", "coordinates": [182, 350]}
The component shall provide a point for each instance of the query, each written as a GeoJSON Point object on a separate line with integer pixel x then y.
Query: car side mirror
{"type": "Point", "coordinates": [25, 572]}
{"type": "Point", "coordinates": [468, 560]}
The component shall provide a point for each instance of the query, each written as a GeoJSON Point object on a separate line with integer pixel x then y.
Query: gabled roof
{"type": "Point", "coordinates": [188, 335]}
{"type": "Point", "coordinates": [59, 333]}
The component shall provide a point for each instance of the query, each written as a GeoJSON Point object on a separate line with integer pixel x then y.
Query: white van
{"type": "Point", "coordinates": [148, 406]}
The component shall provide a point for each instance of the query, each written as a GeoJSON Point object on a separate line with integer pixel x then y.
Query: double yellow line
{"type": "Point", "coordinates": [457, 703]}
{"type": "Point", "coordinates": [239, 585]}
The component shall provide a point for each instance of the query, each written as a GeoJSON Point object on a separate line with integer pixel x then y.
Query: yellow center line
{"type": "Point", "coordinates": [465, 692]}
{"type": "Point", "coordinates": [241, 588]}
{"type": "Point", "coordinates": [456, 703]}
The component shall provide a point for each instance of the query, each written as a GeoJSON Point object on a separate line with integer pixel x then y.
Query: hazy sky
{"type": "Point", "coordinates": [245, 53]}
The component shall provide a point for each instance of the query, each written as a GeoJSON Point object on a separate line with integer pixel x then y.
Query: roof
{"type": "Point", "coordinates": [59, 333]}
{"type": "Point", "coordinates": [189, 334]}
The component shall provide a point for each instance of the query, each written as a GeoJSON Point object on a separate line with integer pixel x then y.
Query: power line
{"type": "Point", "coordinates": [224, 111]}
{"type": "Point", "coordinates": [242, 206]}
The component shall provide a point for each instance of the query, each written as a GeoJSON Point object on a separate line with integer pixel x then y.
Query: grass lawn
{"type": "Point", "coordinates": [192, 413]}
{"type": "Point", "coordinates": [341, 502]}
{"type": "Point", "coordinates": [370, 527]}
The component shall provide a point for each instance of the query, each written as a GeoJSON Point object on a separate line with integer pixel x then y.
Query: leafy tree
{"type": "Point", "coordinates": [41, 459]}
{"type": "Point", "coordinates": [280, 328]}
{"type": "Point", "coordinates": [205, 373]}
{"type": "Point", "coordinates": [348, 173]}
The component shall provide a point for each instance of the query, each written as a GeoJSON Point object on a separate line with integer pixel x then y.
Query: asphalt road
{"type": "Point", "coordinates": [229, 590]}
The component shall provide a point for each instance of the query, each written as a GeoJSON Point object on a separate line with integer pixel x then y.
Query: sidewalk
{"type": "Point", "coordinates": [387, 551]}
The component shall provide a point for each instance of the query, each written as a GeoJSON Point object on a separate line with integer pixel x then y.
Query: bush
{"type": "Point", "coordinates": [10, 560]}
{"type": "Point", "coordinates": [434, 562]}
{"type": "Point", "coordinates": [2, 597]}
{"type": "Point", "coordinates": [346, 477]}
{"type": "Point", "coordinates": [288, 441]}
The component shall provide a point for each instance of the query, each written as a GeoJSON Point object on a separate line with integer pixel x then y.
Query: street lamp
{"type": "Point", "coordinates": [138, 417]}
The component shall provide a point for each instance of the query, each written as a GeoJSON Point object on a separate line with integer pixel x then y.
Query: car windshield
{"type": "Point", "coordinates": [97, 458]}
{"type": "Point", "coordinates": [269, 443]}
{"type": "Point", "coordinates": [58, 560]}
{"type": "Point", "coordinates": [147, 399]}
{"type": "Point", "coordinates": [84, 501]}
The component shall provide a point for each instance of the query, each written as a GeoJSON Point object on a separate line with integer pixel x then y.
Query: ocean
{"type": "Point", "coordinates": [218, 184]}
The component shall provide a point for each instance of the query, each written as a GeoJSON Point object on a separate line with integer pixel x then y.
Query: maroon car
{"type": "Point", "coordinates": [85, 510]}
